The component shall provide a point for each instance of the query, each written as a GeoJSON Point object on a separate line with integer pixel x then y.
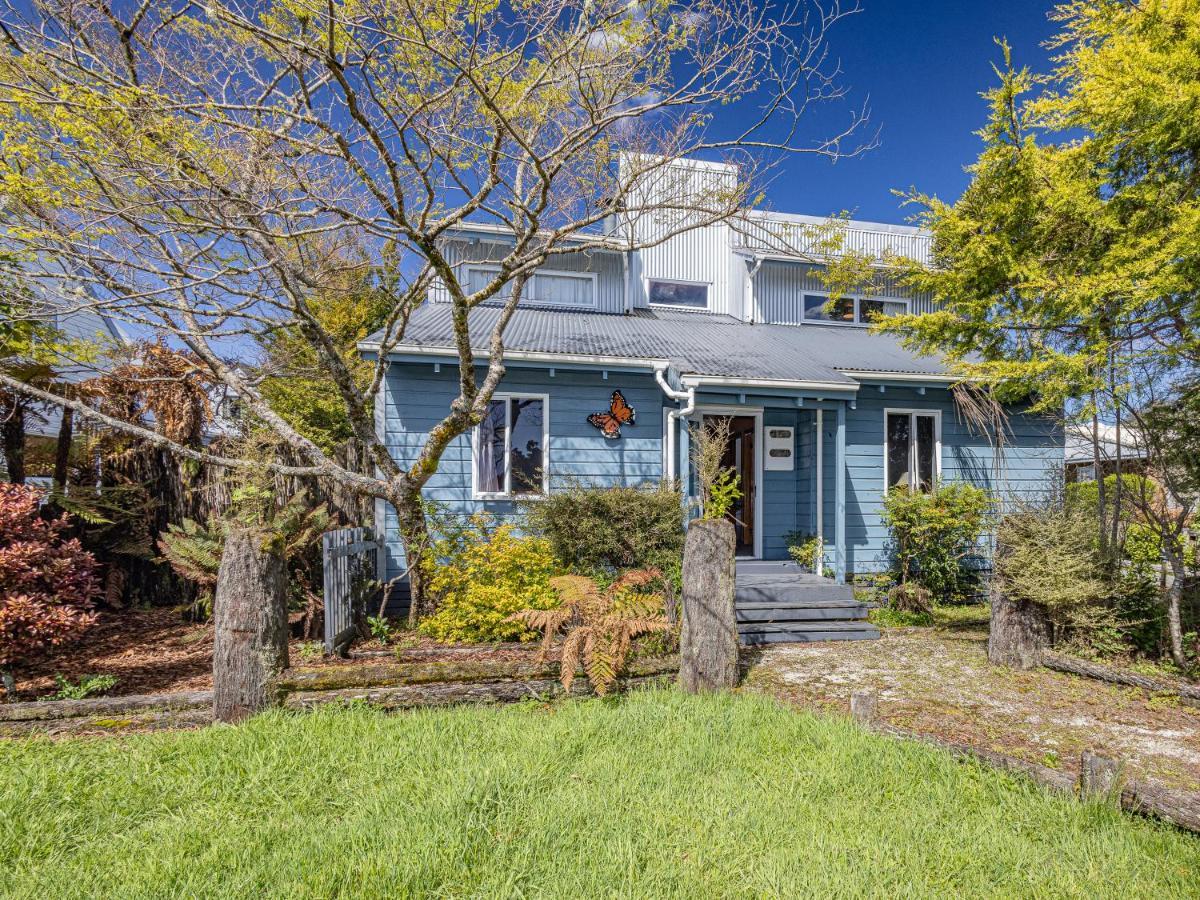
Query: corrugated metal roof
{"type": "Point", "coordinates": [693, 343]}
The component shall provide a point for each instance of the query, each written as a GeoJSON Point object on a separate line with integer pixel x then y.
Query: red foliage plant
{"type": "Point", "coordinates": [47, 583]}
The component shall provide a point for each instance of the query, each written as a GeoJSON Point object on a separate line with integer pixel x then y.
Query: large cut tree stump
{"type": "Point", "coordinates": [250, 643]}
{"type": "Point", "coordinates": [708, 645]}
{"type": "Point", "coordinates": [1019, 633]}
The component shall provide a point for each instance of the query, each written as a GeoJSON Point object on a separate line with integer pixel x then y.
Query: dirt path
{"type": "Point", "coordinates": [939, 682]}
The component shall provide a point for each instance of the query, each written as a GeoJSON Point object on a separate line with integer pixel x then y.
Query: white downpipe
{"type": "Point", "coordinates": [818, 562]}
{"type": "Point", "coordinates": [626, 300]}
{"type": "Point", "coordinates": [674, 415]}
{"type": "Point", "coordinates": [749, 314]}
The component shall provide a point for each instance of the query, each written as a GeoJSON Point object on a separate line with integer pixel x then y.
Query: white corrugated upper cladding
{"type": "Point", "coordinates": [760, 266]}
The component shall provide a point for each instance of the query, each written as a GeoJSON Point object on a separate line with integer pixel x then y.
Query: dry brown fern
{"type": "Point", "coordinates": [598, 626]}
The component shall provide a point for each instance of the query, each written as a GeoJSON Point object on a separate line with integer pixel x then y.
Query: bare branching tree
{"type": "Point", "coordinates": [199, 170]}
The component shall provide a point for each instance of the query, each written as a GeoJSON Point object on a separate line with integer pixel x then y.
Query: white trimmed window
{"type": "Point", "coordinates": [677, 294]}
{"type": "Point", "coordinates": [912, 452]}
{"type": "Point", "coordinates": [576, 290]}
{"type": "Point", "coordinates": [510, 455]}
{"type": "Point", "coordinates": [850, 310]}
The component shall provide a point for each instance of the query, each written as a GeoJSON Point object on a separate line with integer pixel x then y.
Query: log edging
{"type": "Point", "coordinates": [1072, 665]}
{"type": "Point", "coordinates": [1140, 796]}
{"type": "Point", "coordinates": [42, 710]}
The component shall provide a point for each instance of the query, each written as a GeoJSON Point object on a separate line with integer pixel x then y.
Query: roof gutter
{"type": "Point", "coordinates": [901, 376]}
{"type": "Point", "coordinates": [550, 359]}
{"type": "Point", "coordinates": [693, 381]}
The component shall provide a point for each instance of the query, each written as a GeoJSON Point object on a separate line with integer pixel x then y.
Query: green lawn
{"type": "Point", "coordinates": [654, 795]}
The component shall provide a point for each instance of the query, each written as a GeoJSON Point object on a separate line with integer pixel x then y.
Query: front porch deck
{"type": "Point", "coordinates": [778, 603]}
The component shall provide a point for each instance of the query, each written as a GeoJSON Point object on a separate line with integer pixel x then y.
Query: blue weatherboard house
{"type": "Point", "coordinates": [612, 353]}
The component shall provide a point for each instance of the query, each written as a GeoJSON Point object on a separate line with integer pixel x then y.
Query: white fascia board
{"type": "Point", "coordinates": [802, 259]}
{"type": "Point", "coordinates": [501, 233]}
{"type": "Point", "coordinates": [901, 376]}
{"type": "Point", "coordinates": [777, 384]}
{"type": "Point", "coordinates": [564, 359]}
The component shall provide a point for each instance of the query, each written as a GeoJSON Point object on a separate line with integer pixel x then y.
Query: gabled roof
{"type": "Point", "coordinates": [700, 344]}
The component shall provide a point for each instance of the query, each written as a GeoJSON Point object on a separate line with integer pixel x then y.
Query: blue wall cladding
{"type": "Point", "coordinates": [1031, 459]}
{"type": "Point", "coordinates": [417, 397]}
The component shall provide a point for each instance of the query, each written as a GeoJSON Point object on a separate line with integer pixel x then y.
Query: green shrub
{"type": "Point", "coordinates": [481, 577]}
{"type": "Point", "coordinates": [932, 533]}
{"type": "Point", "coordinates": [1047, 555]}
{"type": "Point", "coordinates": [87, 686]}
{"type": "Point", "coordinates": [802, 548]}
{"type": "Point", "coordinates": [611, 529]}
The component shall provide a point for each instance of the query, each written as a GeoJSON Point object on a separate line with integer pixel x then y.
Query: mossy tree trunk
{"type": "Point", "coordinates": [708, 644]}
{"type": "Point", "coordinates": [250, 642]}
{"type": "Point", "coordinates": [414, 531]}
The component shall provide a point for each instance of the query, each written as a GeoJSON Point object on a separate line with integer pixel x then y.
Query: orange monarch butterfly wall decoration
{"type": "Point", "coordinates": [619, 413]}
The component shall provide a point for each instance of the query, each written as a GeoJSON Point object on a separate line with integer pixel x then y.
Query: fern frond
{"type": "Point", "coordinates": [635, 578]}
{"type": "Point", "coordinates": [575, 589]}
{"type": "Point", "coordinates": [572, 649]}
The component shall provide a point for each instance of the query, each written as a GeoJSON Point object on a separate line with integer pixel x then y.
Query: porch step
{"type": "Point", "coordinates": [789, 589]}
{"type": "Point", "coordinates": [801, 611]}
{"type": "Point", "coordinates": [756, 634]}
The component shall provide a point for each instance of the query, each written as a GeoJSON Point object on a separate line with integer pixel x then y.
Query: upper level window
{"type": "Point", "coordinates": [850, 310]}
{"type": "Point", "coordinates": [686, 295]}
{"type": "Point", "coordinates": [510, 455]}
{"type": "Point", "coordinates": [547, 287]}
{"type": "Point", "coordinates": [913, 449]}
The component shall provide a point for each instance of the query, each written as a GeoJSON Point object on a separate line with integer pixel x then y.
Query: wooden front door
{"type": "Point", "coordinates": [740, 456]}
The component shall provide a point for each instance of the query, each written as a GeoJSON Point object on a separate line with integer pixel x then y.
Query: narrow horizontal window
{"type": "Point", "coordinates": [573, 289]}
{"type": "Point", "coordinates": [819, 308]}
{"type": "Point", "coordinates": [510, 448]}
{"type": "Point", "coordinates": [675, 293]}
{"type": "Point", "coordinates": [850, 310]}
{"type": "Point", "coordinates": [870, 310]}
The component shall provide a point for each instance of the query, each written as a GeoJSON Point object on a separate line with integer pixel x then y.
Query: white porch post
{"type": "Point", "coordinates": [840, 496]}
{"type": "Point", "coordinates": [685, 462]}
{"type": "Point", "coordinates": [819, 562]}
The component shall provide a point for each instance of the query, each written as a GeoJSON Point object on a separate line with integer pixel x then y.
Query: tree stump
{"type": "Point", "coordinates": [1018, 634]}
{"type": "Point", "coordinates": [864, 706]}
{"type": "Point", "coordinates": [250, 641]}
{"type": "Point", "coordinates": [708, 644]}
{"type": "Point", "coordinates": [1099, 778]}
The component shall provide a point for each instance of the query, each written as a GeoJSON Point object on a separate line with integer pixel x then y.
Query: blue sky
{"type": "Point", "coordinates": [921, 66]}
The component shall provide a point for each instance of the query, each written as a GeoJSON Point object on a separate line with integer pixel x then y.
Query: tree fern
{"type": "Point", "coordinates": [598, 626]}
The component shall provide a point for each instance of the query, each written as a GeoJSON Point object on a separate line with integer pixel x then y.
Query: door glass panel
{"type": "Point", "coordinates": [489, 449]}
{"type": "Point", "coordinates": [926, 447]}
{"type": "Point", "coordinates": [527, 451]}
{"type": "Point", "coordinates": [898, 446]}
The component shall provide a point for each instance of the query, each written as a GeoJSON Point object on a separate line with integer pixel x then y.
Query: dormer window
{"type": "Point", "coordinates": [850, 310]}
{"type": "Point", "coordinates": [678, 294]}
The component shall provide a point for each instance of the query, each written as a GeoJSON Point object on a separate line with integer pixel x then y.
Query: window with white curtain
{"type": "Point", "coordinates": [510, 448]}
{"type": "Point", "coordinates": [913, 448]}
{"type": "Point", "coordinates": [546, 287]}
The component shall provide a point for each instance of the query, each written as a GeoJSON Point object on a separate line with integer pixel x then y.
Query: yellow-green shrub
{"type": "Point", "coordinates": [483, 579]}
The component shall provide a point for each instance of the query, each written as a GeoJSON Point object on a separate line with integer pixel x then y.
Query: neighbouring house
{"type": "Point", "coordinates": [42, 422]}
{"type": "Point", "coordinates": [725, 320]}
{"type": "Point", "coordinates": [1081, 450]}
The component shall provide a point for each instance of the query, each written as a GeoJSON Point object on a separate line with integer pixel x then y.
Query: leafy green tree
{"type": "Point", "coordinates": [1069, 269]}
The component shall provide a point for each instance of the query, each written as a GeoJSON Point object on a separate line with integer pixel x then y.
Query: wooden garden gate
{"type": "Point", "coordinates": [349, 558]}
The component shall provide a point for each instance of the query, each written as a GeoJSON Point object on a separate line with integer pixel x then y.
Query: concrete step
{"type": "Point", "coordinates": [806, 610]}
{"type": "Point", "coordinates": [806, 632]}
